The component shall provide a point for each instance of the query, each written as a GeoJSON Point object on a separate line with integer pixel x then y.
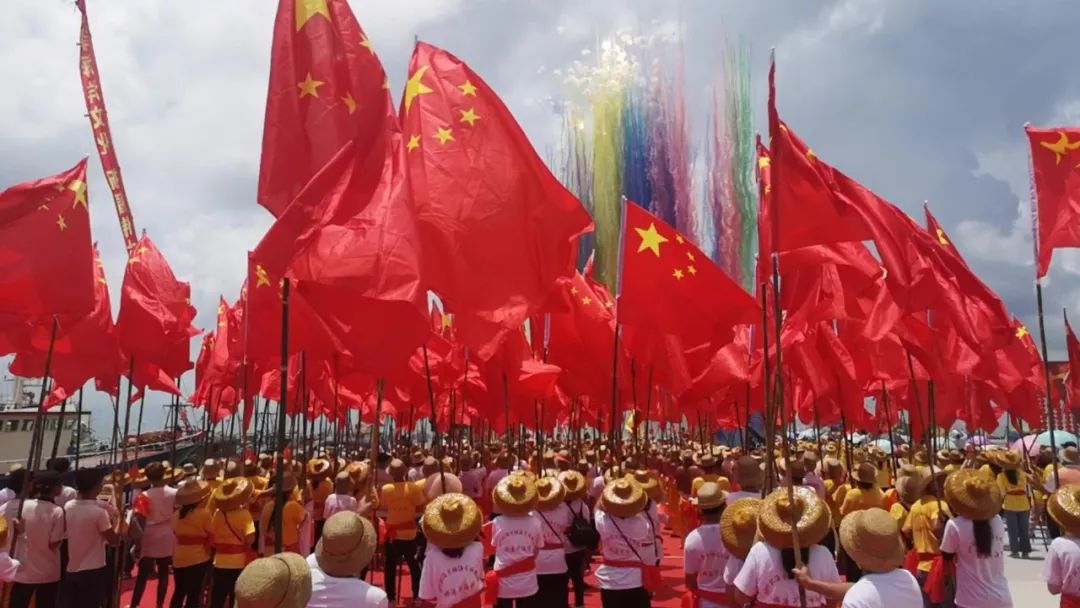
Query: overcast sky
{"type": "Point", "coordinates": [921, 100]}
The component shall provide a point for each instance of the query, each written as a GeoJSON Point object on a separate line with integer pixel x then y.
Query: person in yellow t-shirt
{"type": "Point", "coordinates": [320, 488]}
{"type": "Point", "coordinates": [293, 518]}
{"type": "Point", "coordinates": [402, 500]}
{"type": "Point", "coordinates": [232, 532]}
{"type": "Point", "coordinates": [865, 494]}
{"type": "Point", "coordinates": [835, 488]}
{"type": "Point", "coordinates": [709, 466]}
{"type": "Point", "coordinates": [191, 557]}
{"type": "Point", "coordinates": [925, 523]}
{"type": "Point", "coordinates": [1016, 507]}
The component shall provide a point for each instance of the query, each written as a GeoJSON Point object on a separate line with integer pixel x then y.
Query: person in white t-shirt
{"type": "Point", "coordinates": [871, 538]}
{"type": "Point", "coordinates": [704, 554]}
{"type": "Point", "coordinates": [576, 557]}
{"type": "Point", "coordinates": [629, 572]}
{"type": "Point", "coordinates": [750, 476]}
{"type": "Point", "coordinates": [343, 498]}
{"type": "Point", "coordinates": [767, 575]}
{"type": "Point", "coordinates": [89, 530]}
{"type": "Point", "coordinates": [39, 530]}
{"type": "Point", "coordinates": [975, 540]}
{"type": "Point", "coordinates": [454, 562]}
{"type": "Point", "coordinates": [517, 538]}
{"type": "Point", "coordinates": [345, 548]}
{"type": "Point", "coordinates": [1061, 570]}
{"type": "Point", "coordinates": [551, 568]}
{"type": "Point", "coordinates": [154, 509]}
{"type": "Point", "coordinates": [738, 531]}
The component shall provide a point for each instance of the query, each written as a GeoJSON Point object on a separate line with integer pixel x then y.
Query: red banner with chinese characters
{"type": "Point", "coordinates": [99, 123]}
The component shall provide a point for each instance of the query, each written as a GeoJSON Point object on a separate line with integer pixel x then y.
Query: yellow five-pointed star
{"type": "Point", "coordinates": [763, 162]}
{"type": "Point", "coordinates": [60, 222]}
{"type": "Point", "coordinates": [650, 239]}
{"type": "Point", "coordinates": [677, 274]}
{"type": "Point", "coordinates": [679, 239]}
{"type": "Point", "coordinates": [1061, 147]}
{"type": "Point", "coordinates": [414, 143]}
{"type": "Point", "coordinates": [414, 87]}
{"type": "Point", "coordinates": [941, 237]}
{"type": "Point", "coordinates": [573, 290]}
{"type": "Point", "coordinates": [1021, 331]}
{"type": "Point", "coordinates": [443, 135]}
{"type": "Point", "coordinates": [310, 86]}
{"type": "Point", "coordinates": [349, 102]}
{"type": "Point", "coordinates": [586, 300]}
{"type": "Point", "coordinates": [306, 9]}
{"type": "Point", "coordinates": [691, 270]}
{"type": "Point", "coordinates": [690, 255]}
{"type": "Point", "coordinates": [468, 89]}
{"type": "Point", "coordinates": [810, 154]}
{"type": "Point", "coordinates": [470, 116]}
{"type": "Point", "coordinates": [79, 188]}
{"type": "Point", "coordinates": [260, 277]}
{"type": "Point", "coordinates": [366, 43]}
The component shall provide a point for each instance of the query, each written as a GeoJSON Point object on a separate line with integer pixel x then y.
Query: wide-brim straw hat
{"type": "Point", "coordinates": [119, 479]}
{"type": "Point", "coordinates": [174, 475]}
{"type": "Point", "coordinates": [233, 494]}
{"type": "Point", "coordinates": [318, 467]}
{"type": "Point", "coordinates": [872, 538]}
{"type": "Point", "coordinates": [358, 471]}
{"type": "Point", "coordinates": [210, 469]}
{"type": "Point", "coordinates": [1009, 460]}
{"type": "Point", "coordinates": [739, 525]}
{"type": "Point", "coordinates": [452, 521]}
{"type": "Point", "coordinates": [574, 483]}
{"type": "Point", "coordinates": [707, 460]}
{"type": "Point", "coordinates": [649, 483]}
{"type": "Point", "coordinates": [910, 487]}
{"type": "Point", "coordinates": [865, 473]}
{"type": "Point", "coordinates": [811, 516]}
{"type": "Point", "coordinates": [515, 494]}
{"type": "Point", "coordinates": [972, 495]}
{"type": "Point", "coordinates": [550, 493]}
{"type": "Point", "coordinates": [278, 581]}
{"type": "Point", "coordinates": [623, 498]}
{"type": "Point", "coordinates": [347, 544]}
{"type": "Point", "coordinates": [1064, 506]}
{"type": "Point", "coordinates": [192, 492]}
{"type": "Point", "coordinates": [709, 496]}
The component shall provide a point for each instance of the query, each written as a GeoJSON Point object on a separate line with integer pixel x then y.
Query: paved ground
{"type": "Point", "coordinates": [1027, 587]}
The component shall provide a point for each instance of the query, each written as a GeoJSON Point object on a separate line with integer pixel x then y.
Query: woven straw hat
{"type": "Point", "coordinates": [574, 483]}
{"type": "Point", "coordinates": [346, 546]}
{"type": "Point", "coordinates": [748, 471]}
{"type": "Point", "coordinates": [613, 473]}
{"type": "Point", "coordinates": [191, 492]}
{"type": "Point", "coordinates": [233, 494]}
{"type": "Point", "coordinates": [210, 469]}
{"type": "Point", "coordinates": [707, 460]}
{"type": "Point", "coordinates": [358, 471]}
{"type": "Point", "coordinates": [810, 513]}
{"type": "Point", "coordinates": [1064, 506]}
{"type": "Point", "coordinates": [515, 494]}
{"type": "Point", "coordinates": [278, 581]}
{"type": "Point", "coordinates": [972, 495]}
{"type": "Point", "coordinates": [550, 493]}
{"type": "Point", "coordinates": [910, 485]}
{"type": "Point", "coordinates": [623, 498]}
{"type": "Point", "coordinates": [1009, 460]}
{"type": "Point", "coordinates": [649, 483]}
{"type": "Point", "coordinates": [452, 521]}
{"type": "Point", "coordinates": [872, 538]}
{"type": "Point", "coordinates": [318, 468]}
{"type": "Point", "coordinates": [865, 473]}
{"type": "Point", "coordinates": [739, 525]}
{"type": "Point", "coordinates": [709, 496]}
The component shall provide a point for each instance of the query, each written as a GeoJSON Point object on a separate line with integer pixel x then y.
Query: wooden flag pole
{"type": "Point", "coordinates": [127, 412]}
{"type": "Point", "coordinates": [59, 428]}
{"type": "Point", "coordinates": [1046, 378]}
{"type": "Point", "coordinates": [78, 428]}
{"type": "Point", "coordinates": [889, 422]}
{"type": "Point", "coordinates": [431, 401]}
{"type": "Point", "coordinates": [283, 399]}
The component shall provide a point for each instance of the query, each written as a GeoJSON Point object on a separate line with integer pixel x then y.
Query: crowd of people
{"type": "Point", "coordinates": [815, 524]}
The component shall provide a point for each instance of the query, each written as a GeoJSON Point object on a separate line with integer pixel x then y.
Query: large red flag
{"type": "Point", "coordinates": [154, 324]}
{"type": "Point", "coordinates": [1055, 162]}
{"type": "Point", "coordinates": [498, 228]}
{"type": "Point", "coordinates": [1072, 387]}
{"type": "Point", "coordinates": [325, 81]}
{"type": "Point", "coordinates": [582, 339]}
{"type": "Point", "coordinates": [46, 257]}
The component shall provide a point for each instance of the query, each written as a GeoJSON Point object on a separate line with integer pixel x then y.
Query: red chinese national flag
{"type": "Point", "coordinates": [324, 81]}
{"type": "Point", "coordinates": [498, 229]}
{"type": "Point", "coordinates": [46, 257]}
{"type": "Point", "coordinates": [670, 287]}
{"type": "Point", "coordinates": [1072, 386]}
{"type": "Point", "coordinates": [1055, 162]}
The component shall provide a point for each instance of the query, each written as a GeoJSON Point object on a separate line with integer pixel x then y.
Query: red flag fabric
{"type": "Point", "coordinates": [46, 257]}
{"type": "Point", "coordinates": [583, 339]}
{"type": "Point", "coordinates": [1072, 385]}
{"type": "Point", "coordinates": [154, 324]}
{"type": "Point", "coordinates": [1055, 164]}
{"type": "Point", "coordinates": [669, 286]}
{"type": "Point", "coordinates": [498, 229]}
{"type": "Point", "coordinates": [324, 81]}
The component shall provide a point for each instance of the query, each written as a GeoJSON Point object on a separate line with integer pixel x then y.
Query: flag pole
{"type": "Point", "coordinates": [889, 423]}
{"type": "Point", "coordinates": [59, 428]}
{"type": "Point", "coordinates": [770, 470]}
{"type": "Point", "coordinates": [127, 412]}
{"type": "Point", "coordinates": [615, 343]}
{"type": "Point", "coordinates": [431, 400]}
{"type": "Point", "coordinates": [78, 428]}
{"type": "Point", "coordinates": [1046, 378]}
{"type": "Point", "coordinates": [279, 473]}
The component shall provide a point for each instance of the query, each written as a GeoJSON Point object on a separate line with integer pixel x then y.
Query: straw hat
{"type": "Point", "coordinates": [623, 498]}
{"type": "Point", "coordinates": [709, 496]}
{"type": "Point", "coordinates": [192, 492]}
{"type": "Point", "coordinates": [515, 494]}
{"type": "Point", "coordinates": [452, 521]}
{"type": "Point", "coordinates": [1070, 455]}
{"type": "Point", "coordinates": [739, 525]}
{"type": "Point", "coordinates": [233, 494]}
{"type": "Point", "coordinates": [613, 473]}
{"type": "Point", "coordinates": [210, 469]}
{"type": "Point", "coordinates": [118, 479]}
{"type": "Point", "coordinates": [438, 484]}
{"type": "Point", "coordinates": [865, 473]}
{"type": "Point", "coordinates": [318, 468]}
{"type": "Point", "coordinates": [574, 483]}
{"type": "Point", "coordinates": [346, 546]}
{"type": "Point", "coordinates": [910, 486]}
{"type": "Point", "coordinates": [972, 495]}
{"type": "Point", "coordinates": [649, 483]}
{"type": "Point", "coordinates": [748, 471]}
{"type": "Point", "coordinates": [1064, 506]}
{"type": "Point", "coordinates": [189, 469]}
{"type": "Point", "coordinates": [706, 461]}
{"type": "Point", "coordinates": [278, 581]}
{"type": "Point", "coordinates": [872, 538]}
{"type": "Point", "coordinates": [1009, 460]}
{"type": "Point", "coordinates": [358, 471]}
{"type": "Point", "coordinates": [550, 493]}
{"type": "Point", "coordinates": [174, 475]}
{"type": "Point", "coordinates": [810, 513]}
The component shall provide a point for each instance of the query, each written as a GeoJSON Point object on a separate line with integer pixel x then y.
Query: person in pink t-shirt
{"type": "Point", "coordinates": [342, 499]}
{"type": "Point", "coordinates": [39, 530]}
{"type": "Point", "coordinates": [89, 529]}
{"type": "Point", "coordinates": [158, 540]}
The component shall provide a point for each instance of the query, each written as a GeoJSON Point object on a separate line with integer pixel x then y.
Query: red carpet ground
{"type": "Point", "coordinates": [668, 597]}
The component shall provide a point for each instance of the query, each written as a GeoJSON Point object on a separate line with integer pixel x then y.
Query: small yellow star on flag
{"type": "Point", "coordinates": [941, 237]}
{"type": "Point", "coordinates": [309, 86]}
{"type": "Point", "coordinates": [763, 162]}
{"type": "Point", "coordinates": [586, 300]}
{"type": "Point", "coordinates": [678, 274]}
{"type": "Point", "coordinates": [349, 102]}
{"type": "Point", "coordinates": [470, 116]}
{"type": "Point", "coordinates": [691, 270]}
{"type": "Point", "coordinates": [79, 188]}
{"type": "Point", "coordinates": [366, 43]}
{"type": "Point", "coordinates": [468, 89]}
{"type": "Point", "coordinates": [60, 222]}
{"type": "Point", "coordinates": [414, 143]}
{"type": "Point", "coordinates": [690, 256]}
{"type": "Point", "coordinates": [260, 277]}
{"type": "Point", "coordinates": [650, 239]}
{"type": "Point", "coordinates": [573, 290]}
{"type": "Point", "coordinates": [679, 239]}
{"type": "Point", "coordinates": [1021, 331]}
{"type": "Point", "coordinates": [443, 135]}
